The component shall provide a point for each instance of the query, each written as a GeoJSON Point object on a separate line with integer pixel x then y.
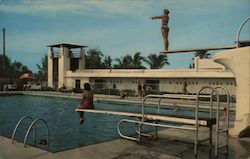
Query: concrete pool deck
{"type": "Point", "coordinates": [171, 144]}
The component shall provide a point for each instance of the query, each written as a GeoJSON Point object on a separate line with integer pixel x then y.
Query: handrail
{"type": "Point", "coordinates": [238, 33]}
{"type": "Point", "coordinates": [31, 125]}
{"type": "Point", "coordinates": [197, 114]}
{"type": "Point", "coordinates": [18, 124]}
{"type": "Point", "coordinates": [218, 119]}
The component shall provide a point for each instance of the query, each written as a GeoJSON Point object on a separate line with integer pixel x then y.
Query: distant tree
{"type": "Point", "coordinates": [137, 61]}
{"type": "Point", "coordinates": [94, 59]}
{"type": "Point", "coordinates": [12, 69]}
{"type": "Point", "coordinates": [6, 69]}
{"type": "Point", "coordinates": [107, 62]}
{"type": "Point", "coordinates": [203, 54]}
{"type": "Point", "coordinates": [124, 62]}
{"type": "Point", "coordinates": [129, 62]}
{"type": "Point", "coordinates": [43, 68]}
{"type": "Point", "coordinates": [156, 61]}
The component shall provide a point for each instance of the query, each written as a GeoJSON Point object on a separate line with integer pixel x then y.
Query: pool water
{"type": "Point", "coordinates": [63, 122]}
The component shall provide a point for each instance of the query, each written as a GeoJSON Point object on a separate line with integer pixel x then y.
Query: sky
{"type": "Point", "coordinates": [119, 27]}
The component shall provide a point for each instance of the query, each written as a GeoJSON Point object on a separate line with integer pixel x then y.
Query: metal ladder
{"type": "Point", "coordinates": [31, 126]}
{"type": "Point", "coordinates": [224, 130]}
{"type": "Point", "coordinates": [218, 130]}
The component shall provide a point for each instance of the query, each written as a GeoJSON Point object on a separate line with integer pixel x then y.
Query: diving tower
{"type": "Point", "coordinates": [64, 57]}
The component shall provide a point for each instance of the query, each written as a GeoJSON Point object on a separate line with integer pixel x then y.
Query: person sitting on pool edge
{"type": "Point", "coordinates": [87, 101]}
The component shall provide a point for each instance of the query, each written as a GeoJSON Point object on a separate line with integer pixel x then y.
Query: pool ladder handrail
{"type": "Point", "coordinates": [31, 126]}
{"type": "Point", "coordinates": [34, 121]}
{"type": "Point", "coordinates": [18, 124]}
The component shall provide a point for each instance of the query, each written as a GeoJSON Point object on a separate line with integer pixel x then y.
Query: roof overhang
{"type": "Point", "coordinates": [70, 46]}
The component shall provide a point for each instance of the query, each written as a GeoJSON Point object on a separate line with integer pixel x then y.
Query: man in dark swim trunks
{"type": "Point", "coordinates": [164, 27]}
{"type": "Point", "coordinates": [87, 101]}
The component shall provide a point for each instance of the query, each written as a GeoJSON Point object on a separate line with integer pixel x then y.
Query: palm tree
{"type": "Point", "coordinates": [137, 61]}
{"type": "Point", "coordinates": [129, 62]}
{"type": "Point", "coordinates": [94, 59]}
{"type": "Point", "coordinates": [124, 62]}
{"type": "Point", "coordinates": [43, 68]}
{"type": "Point", "coordinates": [202, 54]}
{"type": "Point", "coordinates": [157, 61]}
{"type": "Point", "coordinates": [107, 62]}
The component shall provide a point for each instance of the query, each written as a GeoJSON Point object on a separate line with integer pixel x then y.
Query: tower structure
{"type": "Point", "coordinates": [62, 58]}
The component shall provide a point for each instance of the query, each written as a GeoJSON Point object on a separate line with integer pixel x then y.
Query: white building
{"type": "Point", "coordinates": [66, 65]}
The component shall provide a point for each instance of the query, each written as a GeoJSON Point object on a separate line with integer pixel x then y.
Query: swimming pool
{"type": "Point", "coordinates": [63, 121]}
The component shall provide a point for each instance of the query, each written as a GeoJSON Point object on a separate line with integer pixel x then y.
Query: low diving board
{"type": "Point", "coordinates": [167, 118]}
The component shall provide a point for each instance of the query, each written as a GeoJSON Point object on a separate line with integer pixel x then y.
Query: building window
{"type": "Point", "coordinates": [77, 83]}
{"type": "Point", "coordinates": [196, 83]}
{"type": "Point", "coordinates": [170, 82]}
{"type": "Point", "coordinates": [177, 82]}
{"type": "Point", "coordinates": [209, 83]}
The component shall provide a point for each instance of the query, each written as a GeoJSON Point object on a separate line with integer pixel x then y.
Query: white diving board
{"type": "Point", "coordinates": [177, 119]}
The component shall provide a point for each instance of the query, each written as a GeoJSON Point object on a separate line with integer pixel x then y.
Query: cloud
{"type": "Point", "coordinates": [92, 7]}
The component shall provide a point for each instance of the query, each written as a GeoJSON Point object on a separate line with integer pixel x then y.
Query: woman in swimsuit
{"type": "Point", "coordinates": [87, 101]}
{"type": "Point", "coordinates": [164, 27]}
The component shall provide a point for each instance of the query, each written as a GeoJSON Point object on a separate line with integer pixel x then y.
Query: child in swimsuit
{"type": "Point", "coordinates": [87, 101]}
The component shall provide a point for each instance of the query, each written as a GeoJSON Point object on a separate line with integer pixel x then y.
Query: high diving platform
{"type": "Point", "coordinates": [192, 123]}
{"type": "Point", "coordinates": [226, 47]}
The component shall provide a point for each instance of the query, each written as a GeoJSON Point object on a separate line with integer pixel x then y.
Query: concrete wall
{"type": "Point", "coordinates": [238, 61]}
{"type": "Point", "coordinates": [63, 65]}
{"type": "Point", "coordinates": [207, 64]}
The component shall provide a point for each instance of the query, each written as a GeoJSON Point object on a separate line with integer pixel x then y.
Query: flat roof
{"type": "Point", "coordinates": [71, 46]}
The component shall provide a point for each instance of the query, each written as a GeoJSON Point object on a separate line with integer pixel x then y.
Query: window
{"type": "Point", "coordinates": [77, 83]}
